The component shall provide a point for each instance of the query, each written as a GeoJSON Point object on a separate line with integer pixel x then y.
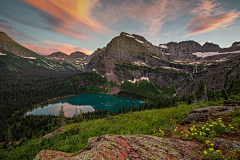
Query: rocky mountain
{"type": "Point", "coordinates": [16, 57]}
{"type": "Point", "coordinates": [73, 57]}
{"type": "Point", "coordinates": [78, 55]}
{"type": "Point", "coordinates": [131, 58]}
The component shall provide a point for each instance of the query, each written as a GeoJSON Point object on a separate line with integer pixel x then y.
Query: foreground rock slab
{"type": "Point", "coordinates": [139, 147]}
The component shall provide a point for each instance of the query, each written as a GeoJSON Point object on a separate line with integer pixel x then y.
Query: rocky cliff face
{"type": "Point", "coordinates": [136, 50]}
{"type": "Point", "coordinates": [235, 47]}
{"type": "Point", "coordinates": [215, 78]}
{"type": "Point", "coordinates": [210, 47]}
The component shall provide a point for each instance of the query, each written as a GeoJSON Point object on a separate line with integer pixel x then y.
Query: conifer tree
{"type": "Point", "coordinates": [61, 117]}
{"type": "Point", "coordinates": [76, 116]}
{"type": "Point", "coordinates": [124, 109]}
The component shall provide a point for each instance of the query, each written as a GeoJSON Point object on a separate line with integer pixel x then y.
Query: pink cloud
{"type": "Point", "coordinates": [50, 47]}
{"type": "Point", "coordinates": [210, 16]}
{"type": "Point", "coordinates": [74, 17]}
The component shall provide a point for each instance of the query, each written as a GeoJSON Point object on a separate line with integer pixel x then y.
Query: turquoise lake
{"type": "Point", "coordinates": [86, 103]}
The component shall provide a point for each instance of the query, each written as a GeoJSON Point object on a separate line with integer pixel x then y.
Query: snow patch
{"type": "Point", "coordinates": [139, 41]}
{"type": "Point", "coordinates": [195, 63]}
{"type": "Point", "coordinates": [29, 57]}
{"type": "Point", "coordinates": [207, 54]}
{"type": "Point", "coordinates": [135, 80]}
{"type": "Point", "coordinates": [2, 54]}
{"type": "Point", "coordinates": [30, 62]}
{"type": "Point", "coordinates": [156, 57]}
{"type": "Point", "coordinates": [140, 63]}
{"type": "Point", "coordinates": [130, 36]}
{"type": "Point", "coordinates": [163, 46]}
{"type": "Point", "coordinates": [169, 68]}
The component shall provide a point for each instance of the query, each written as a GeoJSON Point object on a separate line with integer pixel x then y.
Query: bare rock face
{"type": "Point", "coordinates": [235, 47]}
{"type": "Point", "coordinates": [139, 147]}
{"type": "Point", "coordinates": [78, 55]}
{"type": "Point", "coordinates": [210, 47]}
{"type": "Point", "coordinates": [59, 55]}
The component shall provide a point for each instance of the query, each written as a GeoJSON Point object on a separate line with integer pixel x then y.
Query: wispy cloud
{"type": "Point", "coordinates": [73, 17]}
{"type": "Point", "coordinates": [13, 32]}
{"type": "Point", "coordinates": [167, 34]}
{"type": "Point", "coordinates": [50, 47]}
{"type": "Point", "coordinates": [209, 15]}
{"type": "Point", "coordinates": [151, 15]}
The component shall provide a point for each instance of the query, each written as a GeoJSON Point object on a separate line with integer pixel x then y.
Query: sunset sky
{"type": "Point", "coordinates": [47, 26]}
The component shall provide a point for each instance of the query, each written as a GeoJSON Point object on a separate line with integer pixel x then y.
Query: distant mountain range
{"type": "Point", "coordinates": [130, 57]}
{"type": "Point", "coordinates": [16, 57]}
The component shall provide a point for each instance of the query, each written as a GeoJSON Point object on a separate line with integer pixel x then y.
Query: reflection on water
{"type": "Point", "coordinates": [87, 103]}
{"type": "Point", "coordinates": [53, 109]}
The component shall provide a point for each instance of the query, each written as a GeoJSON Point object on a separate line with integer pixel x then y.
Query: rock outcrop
{"type": "Point", "coordinates": [129, 147]}
{"type": "Point", "coordinates": [204, 114]}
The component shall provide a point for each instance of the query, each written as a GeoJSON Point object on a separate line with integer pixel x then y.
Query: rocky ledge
{"type": "Point", "coordinates": [140, 147]}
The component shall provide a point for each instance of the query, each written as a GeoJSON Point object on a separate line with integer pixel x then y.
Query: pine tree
{"type": "Point", "coordinates": [81, 116]}
{"type": "Point", "coordinates": [61, 117]}
{"type": "Point", "coordinates": [124, 109]}
{"type": "Point", "coordinates": [76, 116]}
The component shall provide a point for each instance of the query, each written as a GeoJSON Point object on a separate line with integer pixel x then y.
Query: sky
{"type": "Point", "coordinates": [47, 26]}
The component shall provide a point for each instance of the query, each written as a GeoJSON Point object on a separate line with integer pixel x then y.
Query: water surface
{"type": "Point", "coordinates": [86, 103]}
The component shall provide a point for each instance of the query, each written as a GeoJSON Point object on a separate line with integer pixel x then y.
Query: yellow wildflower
{"type": "Point", "coordinates": [218, 151]}
{"type": "Point", "coordinates": [205, 152]}
{"type": "Point", "coordinates": [211, 144]}
{"type": "Point", "coordinates": [207, 141]}
{"type": "Point", "coordinates": [211, 149]}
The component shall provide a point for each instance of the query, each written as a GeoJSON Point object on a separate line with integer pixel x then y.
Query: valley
{"type": "Point", "coordinates": [164, 76]}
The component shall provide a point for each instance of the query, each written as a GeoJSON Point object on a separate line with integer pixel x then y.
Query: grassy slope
{"type": "Point", "coordinates": [77, 135]}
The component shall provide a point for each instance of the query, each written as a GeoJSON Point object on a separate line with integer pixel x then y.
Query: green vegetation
{"type": "Point", "coordinates": [20, 91]}
{"type": "Point", "coordinates": [146, 90]}
{"type": "Point", "coordinates": [76, 135]}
